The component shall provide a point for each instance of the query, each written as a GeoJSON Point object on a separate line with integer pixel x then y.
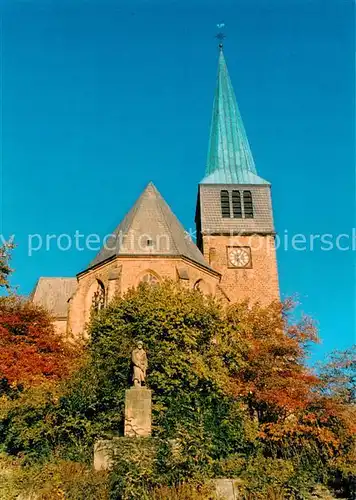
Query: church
{"type": "Point", "coordinates": [234, 257]}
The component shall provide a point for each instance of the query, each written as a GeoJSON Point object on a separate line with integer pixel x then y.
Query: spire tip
{"type": "Point", "coordinates": [221, 35]}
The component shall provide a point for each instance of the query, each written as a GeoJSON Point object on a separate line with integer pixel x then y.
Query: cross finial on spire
{"type": "Point", "coordinates": [221, 35]}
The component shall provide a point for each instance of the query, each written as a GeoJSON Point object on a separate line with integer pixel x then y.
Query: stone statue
{"type": "Point", "coordinates": [140, 364]}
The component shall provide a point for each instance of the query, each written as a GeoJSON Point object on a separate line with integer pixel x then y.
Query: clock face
{"type": "Point", "coordinates": [239, 257]}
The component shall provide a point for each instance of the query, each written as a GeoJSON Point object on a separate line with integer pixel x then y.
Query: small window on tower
{"type": "Point", "coordinates": [225, 204]}
{"type": "Point", "coordinates": [236, 205]}
{"type": "Point", "coordinates": [248, 205]}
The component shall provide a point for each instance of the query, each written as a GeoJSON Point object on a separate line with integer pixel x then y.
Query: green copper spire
{"type": "Point", "coordinates": [230, 159]}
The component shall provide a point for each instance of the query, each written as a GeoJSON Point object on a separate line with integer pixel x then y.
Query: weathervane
{"type": "Point", "coordinates": [221, 35]}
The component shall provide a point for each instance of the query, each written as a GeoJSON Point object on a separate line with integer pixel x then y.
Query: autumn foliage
{"type": "Point", "coordinates": [299, 412]}
{"type": "Point", "coordinates": [30, 351]}
{"type": "Point", "coordinates": [273, 377]}
{"type": "Point", "coordinates": [231, 388]}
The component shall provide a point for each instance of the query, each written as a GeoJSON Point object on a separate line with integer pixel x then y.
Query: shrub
{"type": "Point", "coordinates": [52, 481]}
{"type": "Point", "coordinates": [134, 470]}
{"type": "Point", "coordinates": [27, 422]}
{"type": "Point", "coordinates": [185, 491]}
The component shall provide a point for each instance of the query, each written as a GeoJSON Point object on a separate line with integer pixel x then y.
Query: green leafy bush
{"type": "Point", "coordinates": [27, 422]}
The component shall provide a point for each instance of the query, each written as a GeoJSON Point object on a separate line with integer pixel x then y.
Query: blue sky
{"type": "Point", "coordinates": [100, 97]}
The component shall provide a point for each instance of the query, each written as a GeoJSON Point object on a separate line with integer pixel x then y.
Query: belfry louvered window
{"type": "Point", "coordinates": [248, 205]}
{"type": "Point", "coordinates": [236, 205]}
{"type": "Point", "coordinates": [225, 204]}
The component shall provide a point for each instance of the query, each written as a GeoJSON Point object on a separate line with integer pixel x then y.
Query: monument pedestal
{"type": "Point", "coordinates": [138, 407]}
{"type": "Point", "coordinates": [104, 453]}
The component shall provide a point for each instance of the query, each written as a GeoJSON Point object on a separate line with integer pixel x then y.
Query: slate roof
{"type": "Point", "coordinates": [230, 159]}
{"type": "Point", "coordinates": [150, 228]}
{"type": "Point", "coordinates": [53, 294]}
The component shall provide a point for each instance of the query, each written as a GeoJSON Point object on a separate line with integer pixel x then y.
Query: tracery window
{"type": "Point", "coordinates": [150, 279]}
{"type": "Point", "coordinates": [98, 300]}
{"type": "Point", "coordinates": [197, 285]}
{"type": "Point", "coordinates": [202, 287]}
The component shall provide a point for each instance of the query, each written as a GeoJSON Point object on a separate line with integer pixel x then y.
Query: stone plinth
{"type": "Point", "coordinates": [138, 408]}
{"type": "Point", "coordinates": [104, 452]}
{"type": "Point", "coordinates": [226, 489]}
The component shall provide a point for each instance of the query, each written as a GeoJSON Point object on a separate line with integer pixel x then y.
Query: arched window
{"type": "Point", "coordinates": [197, 285]}
{"type": "Point", "coordinates": [98, 300]}
{"type": "Point", "coordinates": [236, 205]}
{"type": "Point", "coordinates": [202, 286]}
{"type": "Point", "coordinates": [150, 279]}
{"type": "Point", "coordinates": [248, 205]}
{"type": "Point", "coordinates": [225, 204]}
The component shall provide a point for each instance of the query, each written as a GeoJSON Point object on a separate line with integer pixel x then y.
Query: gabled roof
{"type": "Point", "coordinates": [150, 228]}
{"type": "Point", "coordinates": [230, 159]}
{"type": "Point", "coordinates": [53, 294]}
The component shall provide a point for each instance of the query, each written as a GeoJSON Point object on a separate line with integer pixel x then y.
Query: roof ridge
{"type": "Point", "coordinates": [134, 209]}
{"type": "Point", "coordinates": [165, 220]}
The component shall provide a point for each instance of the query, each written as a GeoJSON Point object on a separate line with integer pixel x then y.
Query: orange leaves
{"type": "Point", "coordinates": [295, 409]}
{"type": "Point", "coordinates": [281, 392]}
{"type": "Point", "coordinates": [324, 425]}
{"type": "Point", "coordinates": [300, 434]}
{"type": "Point", "coordinates": [273, 374]}
{"type": "Point", "coordinates": [30, 352]}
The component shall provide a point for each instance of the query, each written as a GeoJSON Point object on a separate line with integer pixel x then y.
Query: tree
{"type": "Point", "coordinates": [300, 415]}
{"type": "Point", "coordinates": [338, 375]}
{"type": "Point", "coordinates": [179, 329]}
{"type": "Point", "coordinates": [273, 379]}
{"type": "Point", "coordinates": [5, 269]}
{"type": "Point", "coordinates": [30, 351]}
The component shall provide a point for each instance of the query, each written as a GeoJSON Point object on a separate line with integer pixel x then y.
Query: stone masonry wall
{"type": "Point", "coordinates": [260, 282]}
{"type": "Point", "coordinates": [60, 326]}
{"type": "Point", "coordinates": [128, 272]}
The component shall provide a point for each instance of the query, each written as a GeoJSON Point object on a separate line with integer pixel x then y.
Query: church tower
{"type": "Point", "coordinates": [234, 218]}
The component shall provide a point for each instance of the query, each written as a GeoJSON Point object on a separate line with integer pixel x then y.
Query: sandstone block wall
{"type": "Point", "coordinates": [258, 283]}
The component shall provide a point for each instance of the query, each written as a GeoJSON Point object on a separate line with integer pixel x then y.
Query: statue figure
{"type": "Point", "coordinates": [140, 364]}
